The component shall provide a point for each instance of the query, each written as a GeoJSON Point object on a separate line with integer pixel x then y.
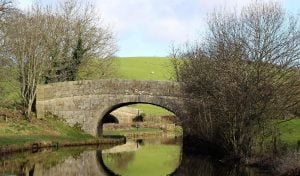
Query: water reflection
{"type": "Point", "coordinates": [67, 161]}
{"type": "Point", "coordinates": [150, 156]}
{"type": "Point", "coordinates": [97, 161]}
{"type": "Point", "coordinates": [205, 166]}
{"type": "Point", "coordinates": [155, 156]}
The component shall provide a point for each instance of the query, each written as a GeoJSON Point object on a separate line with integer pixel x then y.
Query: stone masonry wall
{"type": "Point", "coordinates": [84, 103]}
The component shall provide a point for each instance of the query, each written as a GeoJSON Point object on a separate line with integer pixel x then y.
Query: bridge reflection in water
{"type": "Point", "coordinates": [118, 161]}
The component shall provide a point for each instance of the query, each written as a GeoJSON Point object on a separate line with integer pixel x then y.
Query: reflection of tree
{"type": "Point", "coordinates": [139, 142]}
{"type": "Point", "coordinates": [194, 166]}
{"type": "Point", "coordinates": [203, 166]}
{"type": "Point", "coordinates": [119, 161]}
{"type": "Point", "coordinates": [31, 171]}
{"type": "Point", "coordinates": [25, 163]}
{"type": "Point", "coordinates": [15, 166]}
{"type": "Point", "coordinates": [171, 141]}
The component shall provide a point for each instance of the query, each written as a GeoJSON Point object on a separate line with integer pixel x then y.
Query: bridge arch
{"type": "Point", "coordinates": [109, 118]}
{"type": "Point", "coordinates": [112, 108]}
{"type": "Point", "coordinates": [86, 102]}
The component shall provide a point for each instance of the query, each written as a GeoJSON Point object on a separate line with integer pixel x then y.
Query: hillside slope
{"type": "Point", "coordinates": [144, 68]}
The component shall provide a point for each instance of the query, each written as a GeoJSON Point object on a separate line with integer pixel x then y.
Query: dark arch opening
{"type": "Point", "coordinates": [109, 118]}
{"type": "Point", "coordinates": [112, 108]}
{"type": "Point", "coordinates": [102, 165]}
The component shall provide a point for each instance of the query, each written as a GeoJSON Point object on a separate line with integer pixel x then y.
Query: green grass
{"type": "Point", "coordinates": [144, 68]}
{"type": "Point", "coordinates": [151, 110]}
{"type": "Point", "coordinates": [9, 88]}
{"type": "Point", "coordinates": [290, 132]}
{"type": "Point", "coordinates": [48, 130]}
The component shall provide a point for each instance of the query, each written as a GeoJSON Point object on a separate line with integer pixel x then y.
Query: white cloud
{"type": "Point", "coordinates": [158, 22]}
{"type": "Point", "coordinates": [23, 4]}
{"type": "Point", "coordinates": [162, 20]}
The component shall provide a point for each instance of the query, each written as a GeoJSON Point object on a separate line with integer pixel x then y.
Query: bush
{"type": "Point", "coordinates": [244, 76]}
{"type": "Point", "coordinates": [139, 118]}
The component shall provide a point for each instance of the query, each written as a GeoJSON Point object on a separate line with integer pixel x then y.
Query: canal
{"type": "Point", "coordinates": [154, 156]}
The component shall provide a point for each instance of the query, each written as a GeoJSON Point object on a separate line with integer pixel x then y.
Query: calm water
{"type": "Point", "coordinates": [156, 156]}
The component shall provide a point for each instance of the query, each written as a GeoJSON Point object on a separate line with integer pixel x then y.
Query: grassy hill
{"type": "Point", "coordinates": [144, 68]}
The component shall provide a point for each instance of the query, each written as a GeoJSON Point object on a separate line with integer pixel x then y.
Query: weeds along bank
{"type": "Point", "coordinates": [18, 134]}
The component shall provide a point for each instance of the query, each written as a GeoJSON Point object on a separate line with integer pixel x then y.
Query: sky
{"type": "Point", "coordinates": [151, 27]}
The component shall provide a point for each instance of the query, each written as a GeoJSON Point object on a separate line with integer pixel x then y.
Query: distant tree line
{"type": "Point", "coordinates": [245, 74]}
{"type": "Point", "coordinates": [46, 45]}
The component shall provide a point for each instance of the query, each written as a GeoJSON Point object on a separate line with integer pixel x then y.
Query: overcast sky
{"type": "Point", "coordinates": [149, 27]}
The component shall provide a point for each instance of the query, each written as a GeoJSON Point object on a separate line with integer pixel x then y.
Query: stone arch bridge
{"type": "Point", "coordinates": [85, 103]}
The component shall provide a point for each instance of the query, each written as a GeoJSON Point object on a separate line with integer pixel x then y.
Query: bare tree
{"type": "Point", "coordinates": [45, 45]}
{"type": "Point", "coordinates": [6, 10]}
{"type": "Point", "coordinates": [245, 74]}
{"type": "Point", "coordinates": [25, 42]}
{"type": "Point", "coordinates": [5, 7]}
{"type": "Point", "coordinates": [79, 36]}
{"type": "Point", "coordinates": [8, 85]}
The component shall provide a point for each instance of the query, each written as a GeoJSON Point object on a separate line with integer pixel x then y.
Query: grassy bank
{"type": "Point", "coordinates": [17, 135]}
{"type": "Point", "coordinates": [22, 131]}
